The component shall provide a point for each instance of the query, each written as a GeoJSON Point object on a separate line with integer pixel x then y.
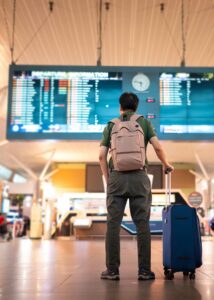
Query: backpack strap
{"type": "Point", "coordinates": [135, 117]}
{"type": "Point", "coordinates": [115, 121]}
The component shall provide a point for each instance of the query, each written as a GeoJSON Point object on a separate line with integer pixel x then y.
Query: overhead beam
{"type": "Point", "coordinates": [24, 167]}
{"type": "Point", "coordinates": [41, 177]}
{"type": "Point", "coordinates": [203, 170]}
{"type": "Point", "coordinates": [50, 174]}
{"type": "Point", "coordinates": [196, 174]}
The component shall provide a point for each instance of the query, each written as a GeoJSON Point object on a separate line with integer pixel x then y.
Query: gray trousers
{"type": "Point", "coordinates": [135, 186]}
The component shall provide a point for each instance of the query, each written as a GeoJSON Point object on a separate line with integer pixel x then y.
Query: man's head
{"type": "Point", "coordinates": [128, 101]}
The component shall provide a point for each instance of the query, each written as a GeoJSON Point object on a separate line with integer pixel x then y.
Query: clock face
{"type": "Point", "coordinates": [140, 82]}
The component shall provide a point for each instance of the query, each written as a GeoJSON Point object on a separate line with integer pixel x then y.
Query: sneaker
{"type": "Point", "coordinates": [110, 274]}
{"type": "Point", "coordinates": [146, 275]}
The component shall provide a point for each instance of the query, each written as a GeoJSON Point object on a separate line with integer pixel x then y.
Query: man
{"type": "Point", "coordinates": [133, 185]}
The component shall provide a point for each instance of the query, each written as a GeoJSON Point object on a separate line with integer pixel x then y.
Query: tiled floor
{"type": "Point", "coordinates": [71, 270]}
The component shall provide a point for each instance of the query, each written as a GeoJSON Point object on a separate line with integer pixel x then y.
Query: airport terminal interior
{"type": "Point", "coordinates": [63, 66]}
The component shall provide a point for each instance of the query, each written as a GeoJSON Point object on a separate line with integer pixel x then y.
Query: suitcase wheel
{"type": "Point", "coordinates": [169, 275]}
{"type": "Point", "coordinates": [192, 276]}
{"type": "Point", "coordinates": [165, 271]}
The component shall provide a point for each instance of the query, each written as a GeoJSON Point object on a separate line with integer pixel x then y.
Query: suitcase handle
{"type": "Point", "coordinates": [168, 186]}
{"type": "Point", "coordinates": [168, 170]}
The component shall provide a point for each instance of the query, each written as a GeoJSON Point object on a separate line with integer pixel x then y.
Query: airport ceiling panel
{"type": "Point", "coordinates": [137, 32]}
{"type": "Point", "coordinates": [134, 33]}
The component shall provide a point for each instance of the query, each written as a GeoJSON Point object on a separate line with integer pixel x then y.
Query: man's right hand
{"type": "Point", "coordinates": [168, 168]}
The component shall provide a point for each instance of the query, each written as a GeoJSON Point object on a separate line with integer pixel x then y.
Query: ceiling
{"type": "Point", "coordinates": [134, 33]}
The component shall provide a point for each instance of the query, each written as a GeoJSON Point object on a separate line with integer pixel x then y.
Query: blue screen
{"type": "Point", "coordinates": [187, 103]}
{"type": "Point", "coordinates": [76, 102]}
{"type": "Point", "coordinates": [63, 102]}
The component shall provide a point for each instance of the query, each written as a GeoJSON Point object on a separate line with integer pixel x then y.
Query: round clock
{"type": "Point", "coordinates": [140, 82]}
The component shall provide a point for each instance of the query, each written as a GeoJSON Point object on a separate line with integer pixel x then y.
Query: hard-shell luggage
{"type": "Point", "coordinates": [182, 247]}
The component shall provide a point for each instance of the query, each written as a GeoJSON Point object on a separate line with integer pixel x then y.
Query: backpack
{"type": "Point", "coordinates": [127, 144]}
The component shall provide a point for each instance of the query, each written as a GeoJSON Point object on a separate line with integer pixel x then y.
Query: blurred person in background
{"type": "Point", "coordinates": [4, 233]}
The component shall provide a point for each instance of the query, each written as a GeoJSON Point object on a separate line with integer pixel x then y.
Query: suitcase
{"type": "Point", "coordinates": [182, 247]}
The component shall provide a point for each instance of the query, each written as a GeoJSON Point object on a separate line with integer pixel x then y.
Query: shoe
{"type": "Point", "coordinates": [146, 275]}
{"type": "Point", "coordinates": [110, 274]}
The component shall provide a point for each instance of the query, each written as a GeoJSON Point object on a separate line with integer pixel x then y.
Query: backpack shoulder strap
{"type": "Point", "coordinates": [115, 121]}
{"type": "Point", "coordinates": [135, 117]}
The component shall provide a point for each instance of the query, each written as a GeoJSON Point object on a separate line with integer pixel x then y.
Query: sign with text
{"type": "Point", "coordinates": [195, 199]}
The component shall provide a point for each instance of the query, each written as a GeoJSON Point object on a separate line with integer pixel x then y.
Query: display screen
{"type": "Point", "coordinates": [76, 103]}
{"type": "Point", "coordinates": [63, 102]}
{"type": "Point", "coordinates": [187, 103]}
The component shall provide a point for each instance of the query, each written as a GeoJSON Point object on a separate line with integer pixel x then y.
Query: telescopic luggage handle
{"type": "Point", "coordinates": [168, 186]}
{"type": "Point", "coordinates": [168, 170]}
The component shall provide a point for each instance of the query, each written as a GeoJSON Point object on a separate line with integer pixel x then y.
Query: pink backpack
{"type": "Point", "coordinates": [127, 144]}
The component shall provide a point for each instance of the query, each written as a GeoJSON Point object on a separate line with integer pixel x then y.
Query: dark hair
{"type": "Point", "coordinates": [129, 101]}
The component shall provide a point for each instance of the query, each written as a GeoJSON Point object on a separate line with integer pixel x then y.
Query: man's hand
{"type": "Point", "coordinates": [168, 168]}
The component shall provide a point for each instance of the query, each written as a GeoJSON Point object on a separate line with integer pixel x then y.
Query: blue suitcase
{"type": "Point", "coordinates": [182, 247]}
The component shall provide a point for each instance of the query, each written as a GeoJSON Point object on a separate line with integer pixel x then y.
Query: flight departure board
{"type": "Point", "coordinates": [63, 102]}
{"type": "Point", "coordinates": [76, 102]}
{"type": "Point", "coordinates": [187, 103]}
